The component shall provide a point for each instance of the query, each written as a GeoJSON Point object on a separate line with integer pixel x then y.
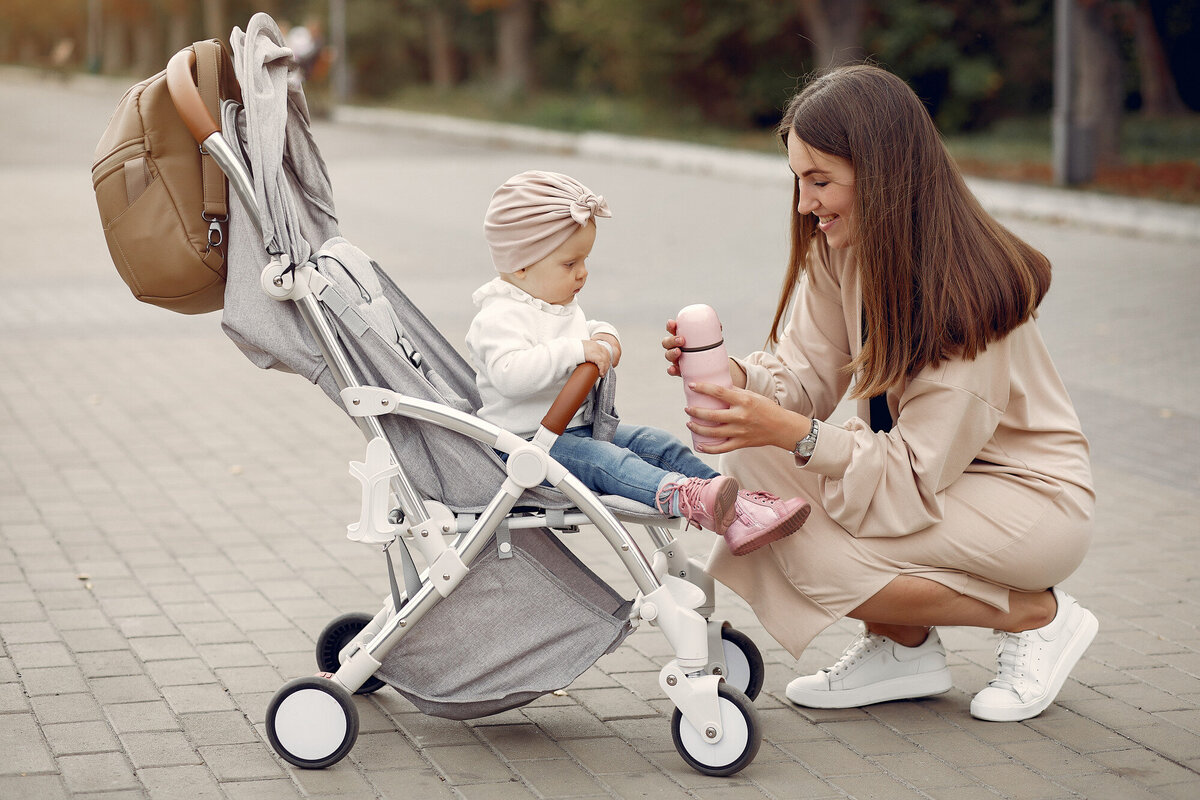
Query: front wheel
{"type": "Point", "coordinates": [738, 745]}
{"type": "Point", "coordinates": [312, 722]}
{"type": "Point", "coordinates": [744, 667]}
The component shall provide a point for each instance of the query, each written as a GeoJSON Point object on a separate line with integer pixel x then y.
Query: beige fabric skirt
{"type": "Point", "coordinates": [998, 533]}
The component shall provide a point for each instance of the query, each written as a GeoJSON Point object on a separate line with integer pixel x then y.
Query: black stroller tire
{"type": "Point", "coordinates": [337, 635]}
{"type": "Point", "coordinates": [744, 667]}
{"type": "Point", "coordinates": [312, 722]}
{"type": "Point", "coordinates": [738, 746]}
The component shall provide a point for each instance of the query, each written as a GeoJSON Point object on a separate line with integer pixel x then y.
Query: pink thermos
{"type": "Point", "coordinates": [703, 359]}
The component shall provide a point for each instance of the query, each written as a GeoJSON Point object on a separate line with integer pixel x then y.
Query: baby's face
{"type": "Point", "coordinates": [558, 277]}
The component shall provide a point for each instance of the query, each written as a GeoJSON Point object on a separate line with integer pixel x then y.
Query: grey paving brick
{"type": "Point", "coordinates": [34, 787]}
{"type": "Point", "coordinates": [1015, 780]}
{"type": "Point", "coordinates": [140, 717]}
{"type": "Point", "coordinates": [180, 783]}
{"type": "Point", "coordinates": [197, 698]}
{"type": "Point", "coordinates": [240, 761]}
{"type": "Point", "coordinates": [100, 772]}
{"type": "Point", "coordinates": [417, 783]}
{"type": "Point", "coordinates": [107, 664]}
{"type": "Point", "coordinates": [124, 689]}
{"type": "Point", "coordinates": [74, 738]}
{"type": "Point", "coordinates": [159, 749]}
{"type": "Point", "coordinates": [21, 742]}
{"type": "Point", "coordinates": [220, 727]}
{"type": "Point", "coordinates": [464, 764]}
{"type": "Point", "coordinates": [340, 781]}
{"type": "Point", "coordinates": [278, 789]}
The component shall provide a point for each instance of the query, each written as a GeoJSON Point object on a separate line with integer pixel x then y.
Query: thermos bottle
{"type": "Point", "coordinates": [703, 359]}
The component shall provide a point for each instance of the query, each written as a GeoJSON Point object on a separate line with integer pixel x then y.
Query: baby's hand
{"type": "Point", "coordinates": [598, 354]}
{"type": "Point", "coordinates": [614, 343]}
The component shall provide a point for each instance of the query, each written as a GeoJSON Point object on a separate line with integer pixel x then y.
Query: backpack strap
{"type": "Point", "coordinates": [209, 55]}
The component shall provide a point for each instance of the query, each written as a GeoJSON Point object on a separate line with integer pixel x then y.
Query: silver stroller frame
{"type": "Point", "coordinates": [312, 722]}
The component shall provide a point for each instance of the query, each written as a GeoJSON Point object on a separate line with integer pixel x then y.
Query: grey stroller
{"type": "Point", "coordinates": [502, 612]}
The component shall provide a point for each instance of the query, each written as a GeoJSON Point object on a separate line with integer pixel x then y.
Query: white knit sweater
{"type": "Point", "coordinates": [523, 350]}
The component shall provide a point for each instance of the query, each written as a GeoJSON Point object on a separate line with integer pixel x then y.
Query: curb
{"type": "Point", "coordinates": [1092, 210]}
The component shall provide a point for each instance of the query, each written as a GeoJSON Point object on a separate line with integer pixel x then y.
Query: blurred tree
{"type": "Point", "coordinates": [1160, 96]}
{"type": "Point", "coordinates": [515, 21]}
{"type": "Point", "coordinates": [836, 28]}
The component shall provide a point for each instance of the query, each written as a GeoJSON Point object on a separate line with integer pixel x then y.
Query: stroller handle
{"type": "Point", "coordinates": [571, 397]}
{"type": "Point", "coordinates": [186, 96]}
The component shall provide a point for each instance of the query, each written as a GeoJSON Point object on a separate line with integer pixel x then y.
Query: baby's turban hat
{"type": "Point", "coordinates": [533, 213]}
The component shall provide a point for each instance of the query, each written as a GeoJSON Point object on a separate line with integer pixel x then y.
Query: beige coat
{"type": "Point", "coordinates": [983, 484]}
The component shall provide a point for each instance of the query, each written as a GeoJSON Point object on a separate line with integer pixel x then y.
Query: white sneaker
{"type": "Point", "coordinates": [874, 669]}
{"type": "Point", "coordinates": [1034, 665]}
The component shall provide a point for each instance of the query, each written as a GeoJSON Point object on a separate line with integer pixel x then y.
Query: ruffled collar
{"type": "Point", "coordinates": [498, 287]}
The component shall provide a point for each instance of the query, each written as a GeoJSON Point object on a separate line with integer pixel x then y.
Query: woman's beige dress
{"type": "Point", "coordinates": [983, 484]}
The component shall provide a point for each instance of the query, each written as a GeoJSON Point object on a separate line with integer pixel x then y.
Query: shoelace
{"type": "Point", "coordinates": [1012, 653]}
{"type": "Point", "coordinates": [689, 498]}
{"type": "Point", "coordinates": [865, 643]}
{"type": "Point", "coordinates": [764, 497]}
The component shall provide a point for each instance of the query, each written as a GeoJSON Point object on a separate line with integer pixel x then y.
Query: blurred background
{"type": "Point", "coordinates": [713, 71]}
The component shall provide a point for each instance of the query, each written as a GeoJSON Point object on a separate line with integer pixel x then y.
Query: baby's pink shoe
{"type": "Point", "coordinates": [762, 518]}
{"type": "Point", "coordinates": [707, 502]}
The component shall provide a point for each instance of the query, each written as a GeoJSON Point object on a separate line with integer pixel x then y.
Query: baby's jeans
{"type": "Point", "coordinates": [632, 465]}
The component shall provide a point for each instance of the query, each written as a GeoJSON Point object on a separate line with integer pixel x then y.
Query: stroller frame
{"type": "Point", "coordinates": [312, 722]}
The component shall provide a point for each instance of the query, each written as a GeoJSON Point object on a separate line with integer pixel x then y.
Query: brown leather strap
{"type": "Point", "coordinates": [571, 397]}
{"type": "Point", "coordinates": [208, 81]}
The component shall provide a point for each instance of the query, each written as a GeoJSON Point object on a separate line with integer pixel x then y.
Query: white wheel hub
{"type": "Point", "coordinates": [310, 724]}
{"type": "Point", "coordinates": [724, 752]}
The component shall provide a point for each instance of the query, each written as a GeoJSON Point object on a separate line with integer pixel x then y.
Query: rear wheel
{"type": "Point", "coordinates": [337, 634]}
{"type": "Point", "coordinates": [744, 668]}
{"type": "Point", "coordinates": [740, 740]}
{"type": "Point", "coordinates": [312, 722]}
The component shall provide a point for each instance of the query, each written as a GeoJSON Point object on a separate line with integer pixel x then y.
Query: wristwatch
{"type": "Point", "coordinates": [804, 448]}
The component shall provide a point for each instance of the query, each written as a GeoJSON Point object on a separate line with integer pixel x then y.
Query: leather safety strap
{"type": "Point", "coordinates": [208, 81]}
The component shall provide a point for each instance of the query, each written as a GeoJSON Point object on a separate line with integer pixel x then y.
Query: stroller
{"type": "Point", "coordinates": [502, 612]}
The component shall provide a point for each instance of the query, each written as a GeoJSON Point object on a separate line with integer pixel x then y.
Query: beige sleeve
{"type": "Point", "coordinates": [806, 372]}
{"type": "Point", "coordinates": [892, 484]}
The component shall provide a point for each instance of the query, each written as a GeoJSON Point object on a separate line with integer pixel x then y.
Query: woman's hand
{"type": "Point", "coordinates": [673, 345]}
{"type": "Point", "coordinates": [750, 421]}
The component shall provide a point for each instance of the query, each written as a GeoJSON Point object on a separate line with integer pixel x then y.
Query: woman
{"type": "Point", "coordinates": [975, 502]}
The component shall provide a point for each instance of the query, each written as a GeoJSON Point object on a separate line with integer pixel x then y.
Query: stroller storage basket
{"type": "Point", "coordinates": [521, 624]}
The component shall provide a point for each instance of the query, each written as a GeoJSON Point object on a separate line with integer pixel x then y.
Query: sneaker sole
{"type": "Point", "coordinates": [910, 687]}
{"type": "Point", "coordinates": [725, 505]}
{"type": "Point", "coordinates": [1080, 641]}
{"type": "Point", "coordinates": [787, 526]}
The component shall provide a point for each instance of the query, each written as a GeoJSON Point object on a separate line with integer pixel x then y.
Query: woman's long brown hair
{"type": "Point", "coordinates": [940, 277]}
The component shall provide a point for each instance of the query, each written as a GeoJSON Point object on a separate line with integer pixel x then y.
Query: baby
{"type": "Point", "coordinates": [530, 334]}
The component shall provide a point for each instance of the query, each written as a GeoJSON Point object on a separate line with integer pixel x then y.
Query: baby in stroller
{"type": "Point", "coordinates": [529, 335]}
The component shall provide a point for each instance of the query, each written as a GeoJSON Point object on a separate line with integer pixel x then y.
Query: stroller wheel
{"type": "Point", "coordinates": [312, 722]}
{"type": "Point", "coordinates": [744, 668]}
{"type": "Point", "coordinates": [337, 635]}
{"type": "Point", "coordinates": [739, 743]}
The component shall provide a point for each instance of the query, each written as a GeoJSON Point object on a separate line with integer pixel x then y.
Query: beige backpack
{"type": "Point", "coordinates": [162, 200]}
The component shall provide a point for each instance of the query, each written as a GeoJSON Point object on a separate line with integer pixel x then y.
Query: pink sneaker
{"type": "Point", "coordinates": [707, 502]}
{"type": "Point", "coordinates": [762, 518]}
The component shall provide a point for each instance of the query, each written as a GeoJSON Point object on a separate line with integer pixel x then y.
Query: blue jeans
{"type": "Point", "coordinates": [632, 465]}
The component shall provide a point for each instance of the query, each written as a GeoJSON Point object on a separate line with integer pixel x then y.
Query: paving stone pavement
{"type": "Point", "coordinates": [171, 517]}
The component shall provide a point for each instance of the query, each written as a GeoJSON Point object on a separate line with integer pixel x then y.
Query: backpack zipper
{"type": "Point", "coordinates": [114, 160]}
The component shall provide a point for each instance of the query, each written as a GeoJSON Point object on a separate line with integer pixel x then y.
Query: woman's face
{"type": "Point", "coordinates": [826, 184]}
